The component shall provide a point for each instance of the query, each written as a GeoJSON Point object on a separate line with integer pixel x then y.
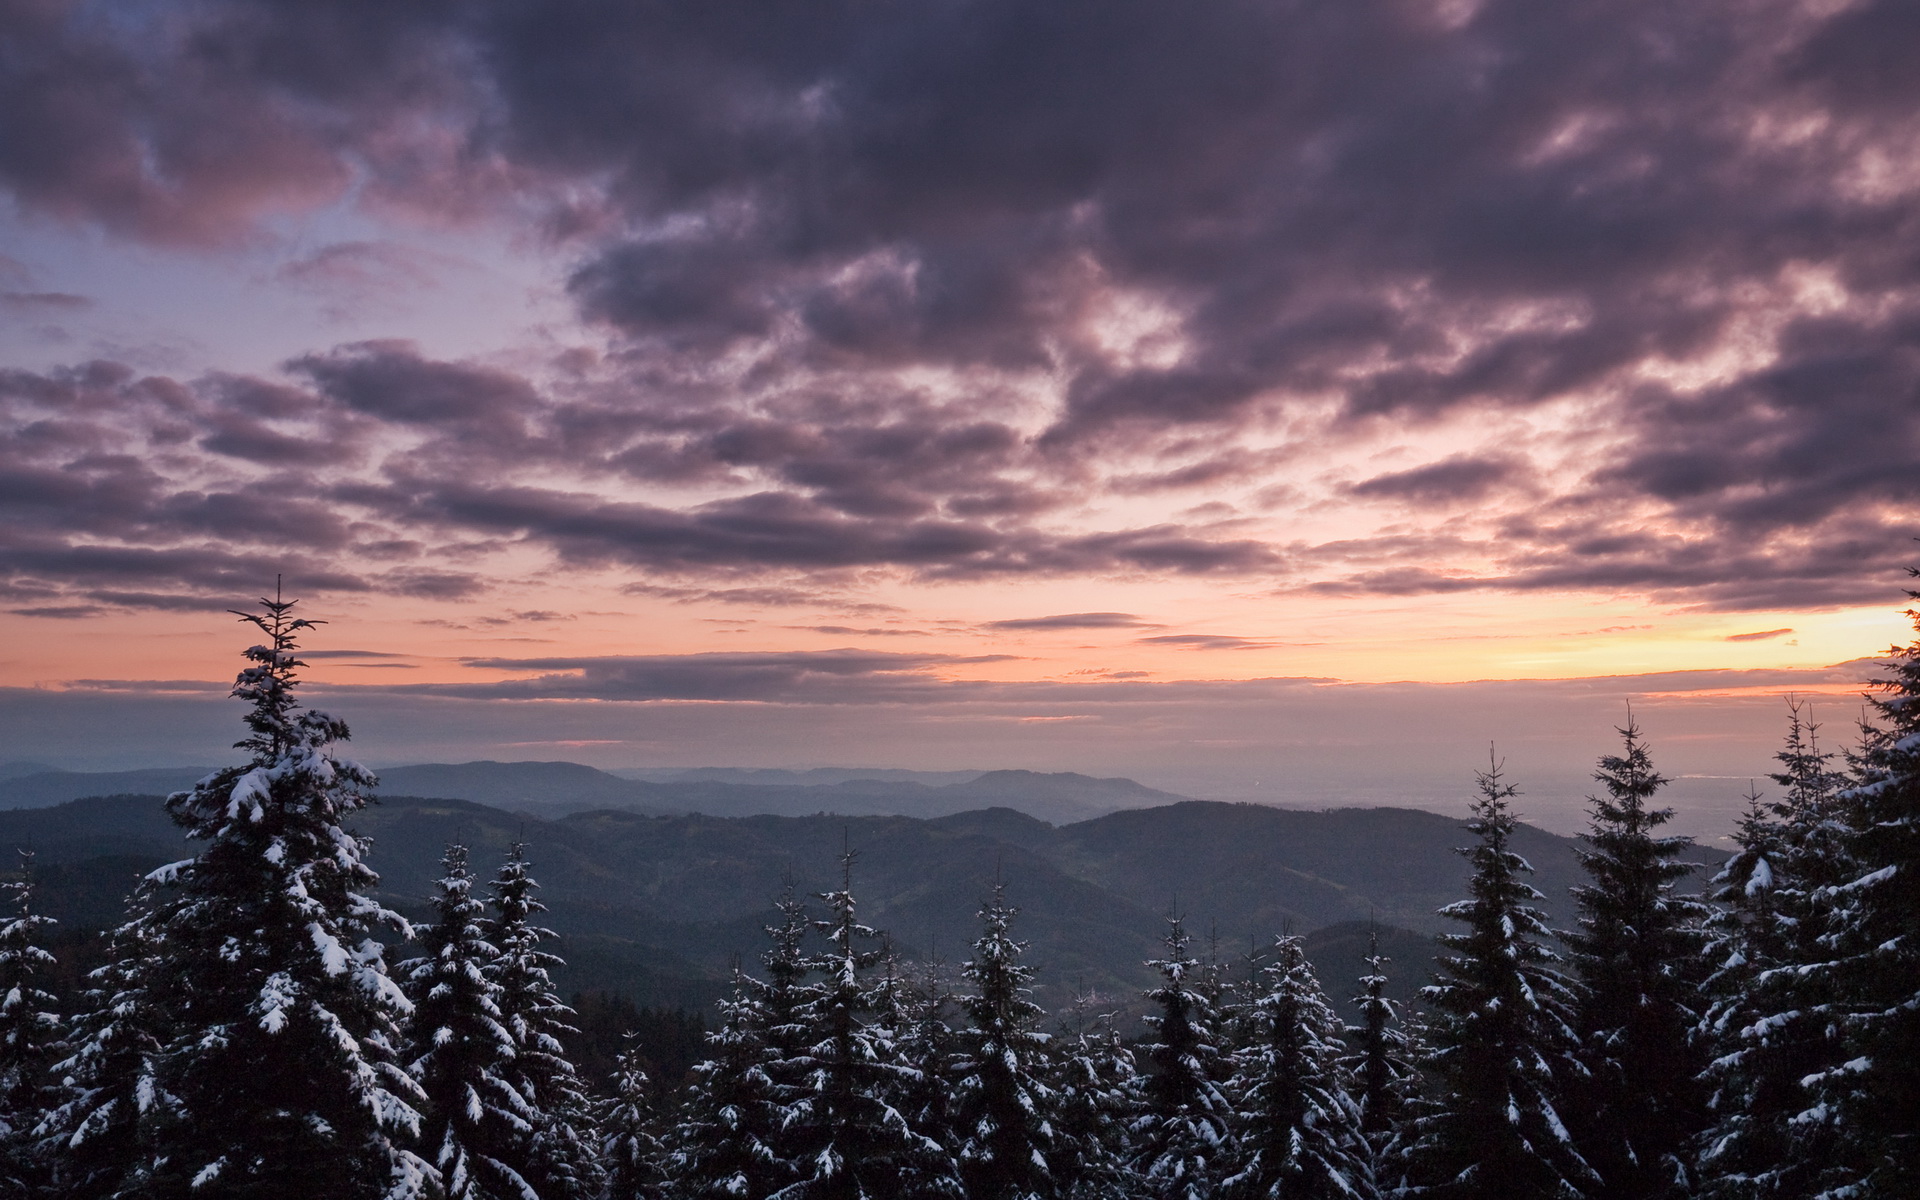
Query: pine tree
{"type": "Point", "coordinates": [1297, 1133]}
{"type": "Point", "coordinates": [558, 1157]}
{"type": "Point", "coordinates": [630, 1145]}
{"type": "Point", "coordinates": [928, 1047]}
{"type": "Point", "coordinates": [280, 1077]}
{"type": "Point", "coordinates": [736, 1138]}
{"type": "Point", "coordinates": [110, 1076]}
{"type": "Point", "coordinates": [459, 1052]}
{"type": "Point", "coordinates": [30, 1044]}
{"type": "Point", "coordinates": [1097, 1086]}
{"type": "Point", "coordinates": [1501, 1047]}
{"type": "Point", "coordinates": [1182, 1128]}
{"type": "Point", "coordinates": [1382, 1059]}
{"type": "Point", "coordinates": [1870, 1098]}
{"type": "Point", "coordinates": [1004, 1112]}
{"type": "Point", "coordinates": [728, 1142]}
{"type": "Point", "coordinates": [851, 1138]}
{"type": "Point", "coordinates": [1638, 957]}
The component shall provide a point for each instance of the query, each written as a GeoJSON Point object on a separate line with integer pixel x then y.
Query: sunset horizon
{"type": "Point", "coordinates": [1215, 430]}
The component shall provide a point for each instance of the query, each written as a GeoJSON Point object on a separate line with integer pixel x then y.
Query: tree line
{"type": "Point", "coordinates": [249, 1037]}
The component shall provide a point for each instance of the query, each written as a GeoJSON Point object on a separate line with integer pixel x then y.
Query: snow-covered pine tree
{"type": "Point", "coordinates": [851, 1141]}
{"type": "Point", "coordinates": [109, 1075]}
{"type": "Point", "coordinates": [457, 1049]}
{"type": "Point", "coordinates": [926, 1044]}
{"type": "Point", "coordinates": [1637, 955]}
{"type": "Point", "coordinates": [1747, 1144]}
{"type": "Point", "coordinates": [1381, 1062]}
{"type": "Point", "coordinates": [559, 1156]}
{"type": "Point", "coordinates": [1178, 1135]}
{"type": "Point", "coordinates": [1870, 1098]}
{"type": "Point", "coordinates": [1296, 1134]}
{"type": "Point", "coordinates": [735, 1139]}
{"type": "Point", "coordinates": [1097, 1086]}
{"type": "Point", "coordinates": [1501, 1050]}
{"type": "Point", "coordinates": [1769, 1024]}
{"type": "Point", "coordinates": [631, 1152]}
{"type": "Point", "coordinates": [726, 1144]}
{"type": "Point", "coordinates": [1004, 1107]}
{"type": "Point", "coordinates": [280, 1073]}
{"type": "Point", "coordinates": [30, 1043]}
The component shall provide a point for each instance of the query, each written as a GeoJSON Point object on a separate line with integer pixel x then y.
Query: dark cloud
{"type": "Point", "coordinates": [789, 677]}
{"type": "Point", "coordinates": [1087, 620]}
{"type": "Point", "coordinates": [1761, 636]}
{"type": "Point", "coordinates": [1462, 477]}
{"type": "Point", "coordinates": [1184, 221]}
{"type": "Point", "coordinates": [43, 302]}
{"type": "Point", "coordinates": [1205, 641]}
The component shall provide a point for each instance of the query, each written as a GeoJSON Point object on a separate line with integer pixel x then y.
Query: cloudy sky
{"type": "Point", "coordinates": [1259, 398]}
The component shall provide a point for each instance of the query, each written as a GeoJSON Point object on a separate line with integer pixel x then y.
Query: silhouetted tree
{"type": "Point", "coordinates": [1638, 956]}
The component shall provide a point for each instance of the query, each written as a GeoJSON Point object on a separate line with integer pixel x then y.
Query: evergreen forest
{"type": "Point", "coordinates": [266, 1029]}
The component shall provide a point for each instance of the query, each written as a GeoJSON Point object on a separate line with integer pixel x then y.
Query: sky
{"type": "Point", "coordinates": [1269, 399]}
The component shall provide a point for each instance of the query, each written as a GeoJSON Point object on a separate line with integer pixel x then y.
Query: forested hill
{"type": "Point", "coordinates": [658, 906]}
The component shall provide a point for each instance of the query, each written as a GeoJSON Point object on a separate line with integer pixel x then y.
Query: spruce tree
{"type": "Point", "coordinates": [110, 1075]}
{"type": "Point", "coordinates": [737, 1138]}
{"type": "Point", "coordinates": [1869, 1098]}
{"type": "Point", "coordinates": [851, 1140]}
{"type": "Point", "coordinates": [30, 1043]}
{"type": "Point", "coordinates": [280, 1074]}
{"type": "Point", "coordinates": [928, 1046]}
{"type": "Point", "coordinates": [1296, 1134]}
{"type": "Point", "coordinates": [459, 1051]}
{"type": "Point", "coordinates": [558, 1155]}
{"type": "Point", "coordinates": [1381, 1061]}
{"type": "Point", "coordinates": [630, 1147]}
{"type": "Point", "coordinates": [1004, 1108]}
{"type": "Point", "coordinates": [1181, 1130]}
{"type": "Point", "coordinates": [1501, 1049]}
{"type": "Point", "coordinates": [1637, 953]}
{"type": "Point", "coordinates": [727, 1144]}
{"type": "Point", "coordinates": [1098, 1089]}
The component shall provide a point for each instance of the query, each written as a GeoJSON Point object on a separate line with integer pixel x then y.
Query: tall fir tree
{"type": "Point", "coordinates": [1869, 1099]}
{"type": "Point", "coordinates": [928, 1046]}
{"type": "Point", "coordinates": [280, 1077]}
{"type": "Point", "coordinates": [1297, 1132]}
{"type": "Point", "coordinates": [1095, 1078]}
{"type": "Point", "coordinates": [458, 1050]}
{"type": "Point", "coordinates": [1004, 1109]}
{"type": "Point", "coordinates": [736, 1139]}
{"type": "Point", "coordinates": [1381, 1060]}
{"type": "Point", "coordinates": [727, 1142]}
{"type": "Point", "coordinates": [559, 1155]}
{"type": "Point", "coordinates": [1770, 1023]}
{"type": "Point", "coordinates": [1181, 1129]}
{"type": "Point", "coordinates": [632, 1154]}
{"type": "Point", "coordinates": [110, 1077]}
{"type": "Point", "coordinates": [30, 1044]}
{"type": "Point", "coordinates": [1501, 1048]}
{"type": "Point", "coordinates": [852, 1140]}
{"type": "Point", "coordinates": [1638, 957]}
{"type": "Point", "coordinates": [1744, 1150]}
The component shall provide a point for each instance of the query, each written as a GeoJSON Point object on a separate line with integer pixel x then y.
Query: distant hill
{"type": "Point", "coordinates": [658, 906]}
{"type": "Point", "coordinates": [774, 776]}
{"type": "Point", "coordinates": [554, 789]}
{"type": "Point", "coordinates": [38, 788]}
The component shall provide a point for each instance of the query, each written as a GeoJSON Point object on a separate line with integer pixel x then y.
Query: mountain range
{"type": "Point", "coordinates": [659, 905]}
{"type": "Point", "coordinates": [553, 789]}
